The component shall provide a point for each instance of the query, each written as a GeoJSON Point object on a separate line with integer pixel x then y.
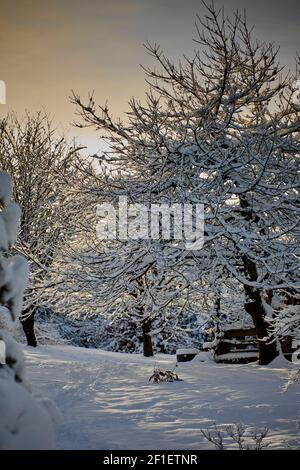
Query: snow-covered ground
{"type": "Point", "coordinates": [108, 403]}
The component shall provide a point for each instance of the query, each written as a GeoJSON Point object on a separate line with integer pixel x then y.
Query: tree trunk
{"type": "Point", "coordinates": [28, 327]}
{"type": "Point", "coordinates": [266, 347]}
{"type": "Point", "coordinates": [147, 340]}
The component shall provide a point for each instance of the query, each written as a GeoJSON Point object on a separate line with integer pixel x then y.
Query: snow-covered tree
{"type": "Point", "coordinates": [43, 169]}
{"type": "Point", "coordinates": [220, 128]}
{"type": "Point", "coordinates": [127, 281]}
{"type": "Point", "coordinates": [25, 423]}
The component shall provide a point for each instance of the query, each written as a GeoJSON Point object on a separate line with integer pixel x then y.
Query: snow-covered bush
{"type": "Point", "coordinates": [115, 333]}
{"type": "Point", "coordinates": [124, 335]}
{"type": "Point", "coordinates": [24, 422]}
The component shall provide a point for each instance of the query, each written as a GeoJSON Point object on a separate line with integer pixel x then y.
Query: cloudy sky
{"type": "Point", "coordinates": [48, 48]}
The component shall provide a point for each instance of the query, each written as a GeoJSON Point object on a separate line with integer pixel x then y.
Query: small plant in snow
{"type": "Point", "coordinates": [239, 435]}
{"type": "Point", "coordinates": [160, 376]}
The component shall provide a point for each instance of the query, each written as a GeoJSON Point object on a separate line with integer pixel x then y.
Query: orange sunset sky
{"type": "Point", "coordinates": [48, 48]}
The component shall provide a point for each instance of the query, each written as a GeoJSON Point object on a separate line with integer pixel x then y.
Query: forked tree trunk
{"type": "Point", "coordinates": [28, 327]}
{"type": "Point", "coordinates": [147, 340]}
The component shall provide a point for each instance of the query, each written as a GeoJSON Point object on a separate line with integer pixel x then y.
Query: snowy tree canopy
{"type": "Point", "coordinates": [42, 166]}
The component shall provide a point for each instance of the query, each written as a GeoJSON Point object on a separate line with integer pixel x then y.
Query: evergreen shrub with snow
{"type": "Point", "coordinates": [25, 423]}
